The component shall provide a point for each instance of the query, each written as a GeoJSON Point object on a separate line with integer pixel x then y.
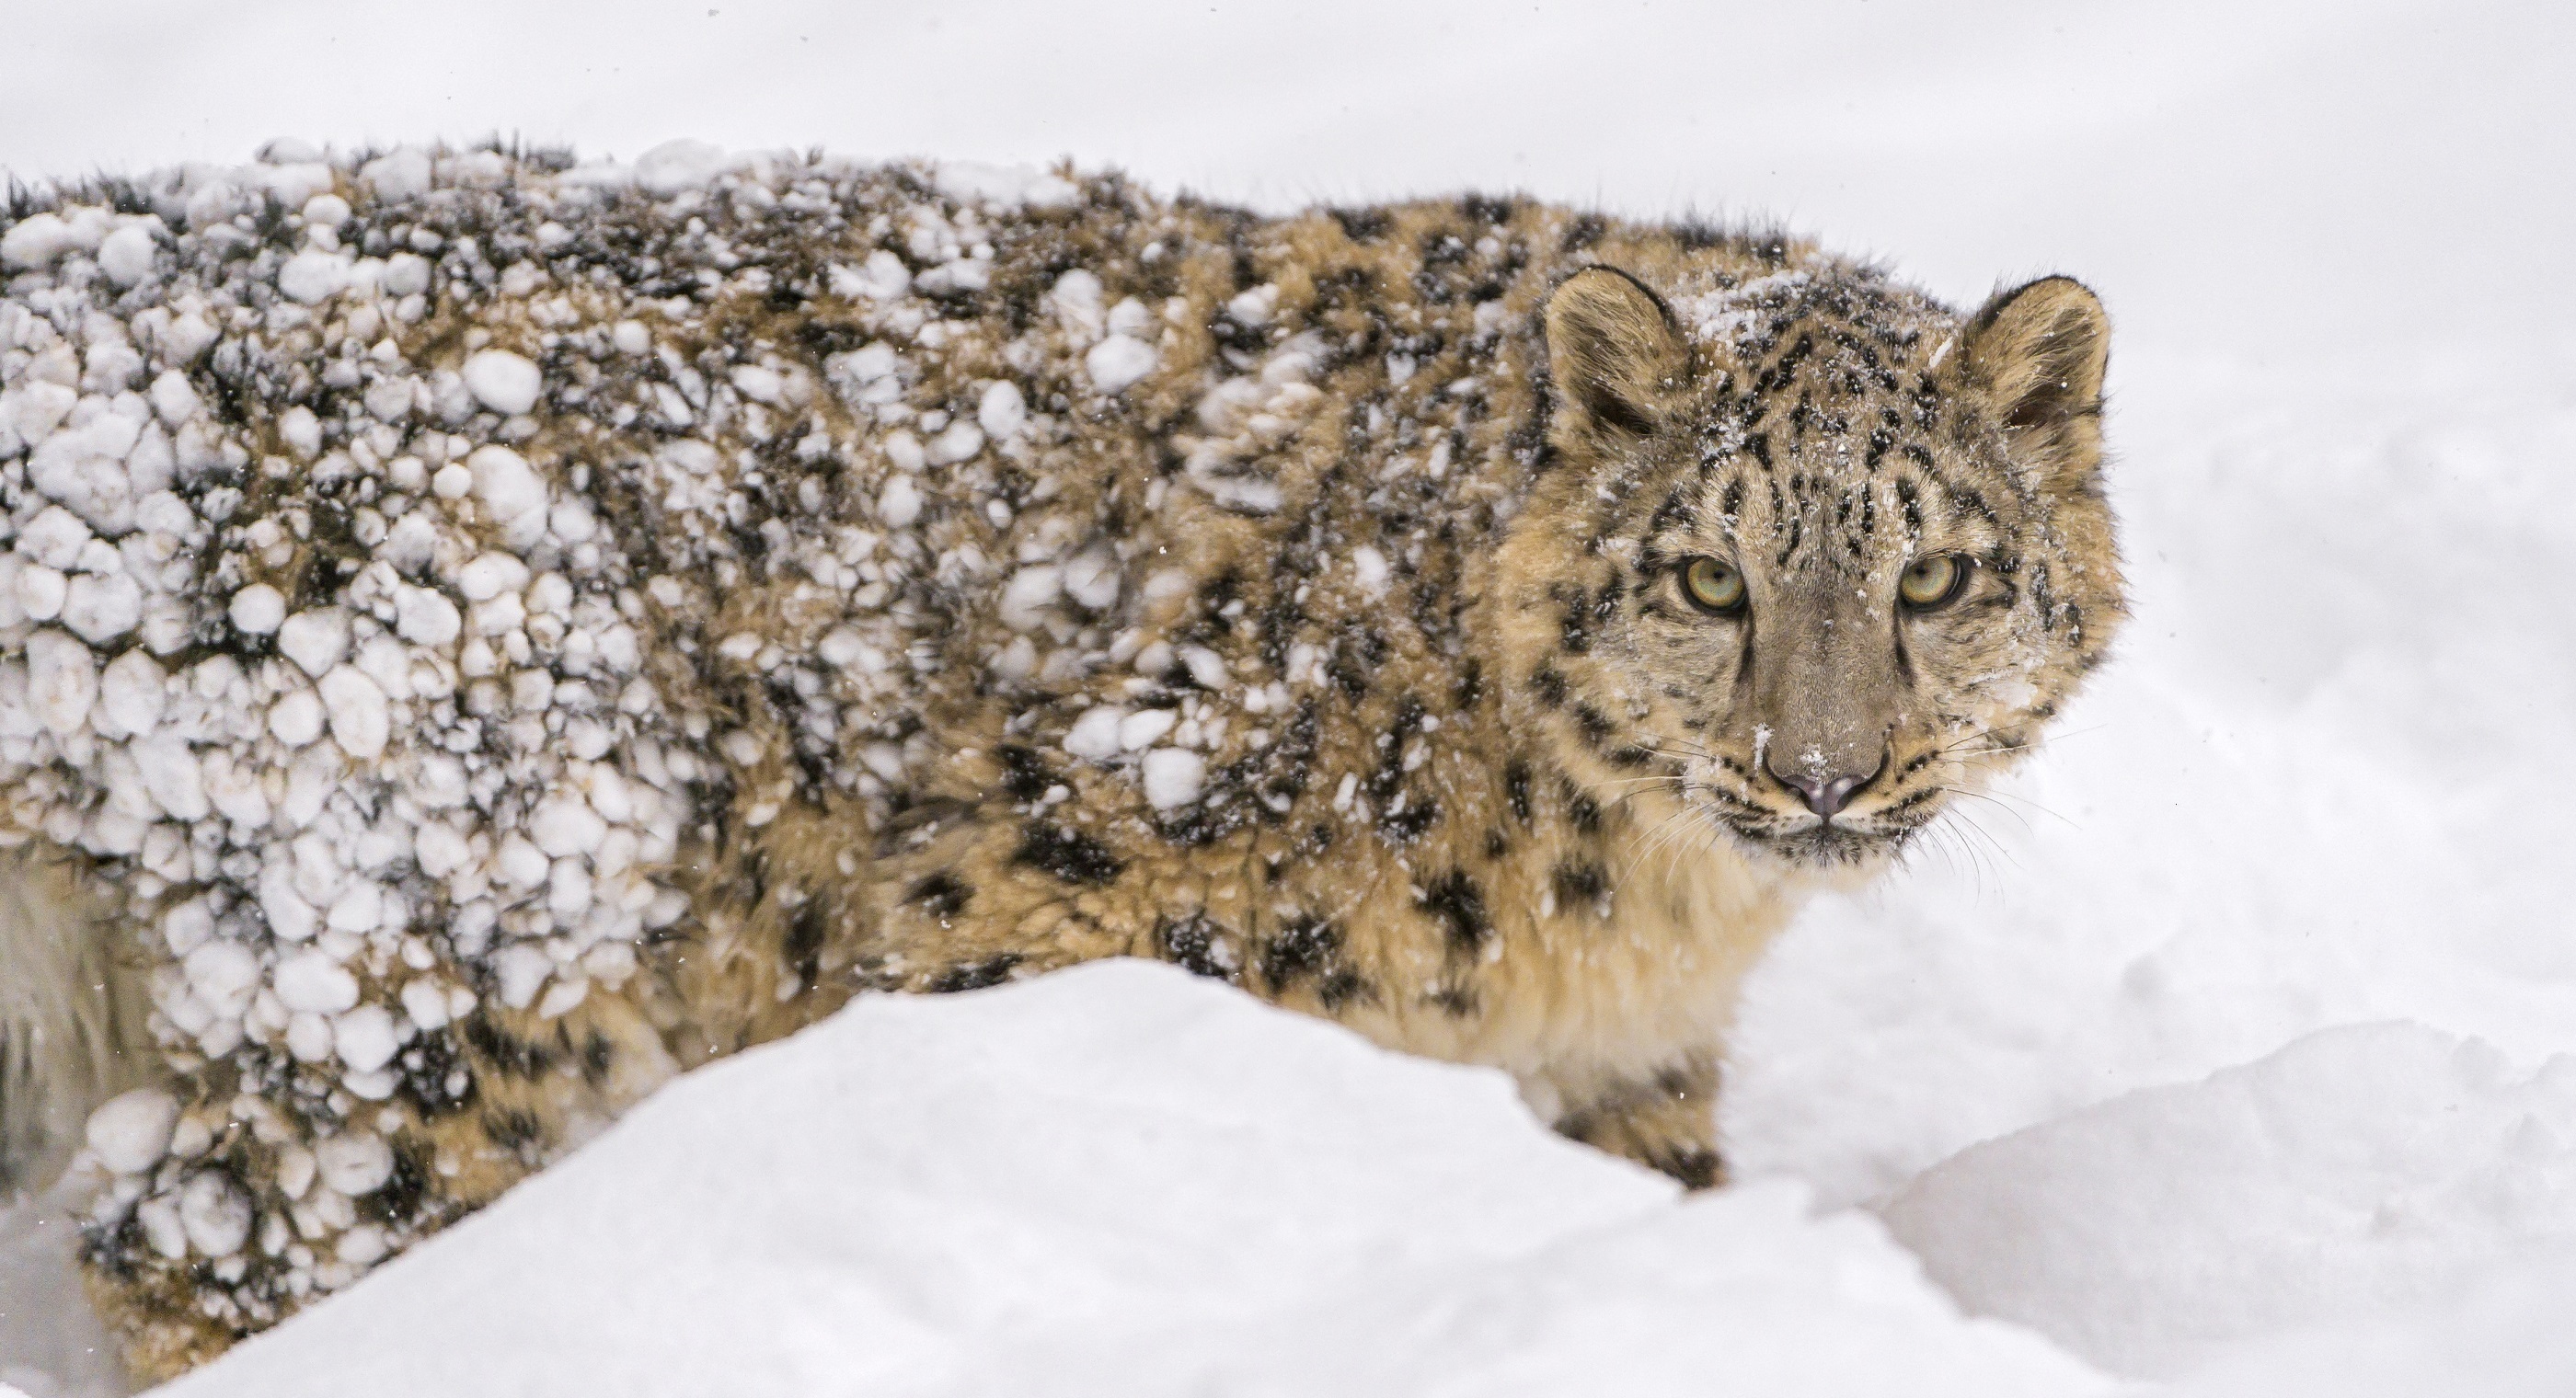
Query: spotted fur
{"type": "Point", "coordinates": [1300, 608]}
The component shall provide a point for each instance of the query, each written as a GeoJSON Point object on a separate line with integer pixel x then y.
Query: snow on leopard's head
{"type": "Point", "coordinates": [1838, 553]}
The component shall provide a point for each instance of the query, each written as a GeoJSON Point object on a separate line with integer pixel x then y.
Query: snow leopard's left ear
{"type": "Point", "coordinates": [2036, 355]}
{"type": "Point", "coordinates": [1617, 358]}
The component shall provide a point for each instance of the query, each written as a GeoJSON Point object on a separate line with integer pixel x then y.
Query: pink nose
{"type": "Point", "coordinates": [1826, 795]}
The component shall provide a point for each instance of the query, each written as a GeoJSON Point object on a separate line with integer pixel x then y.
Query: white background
{"type": "Point", "coordinates": [2323, 786]}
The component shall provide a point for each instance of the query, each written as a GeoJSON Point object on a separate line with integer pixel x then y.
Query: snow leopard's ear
{"type": "Point", "coordinates": [2036, 355]}
{"type": "Point", "coordinates": [1617, 358]}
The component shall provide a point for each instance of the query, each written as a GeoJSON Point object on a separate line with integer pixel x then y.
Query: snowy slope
{"type": "Point", "coordinates": [1119, 1180]}
{"type": "Point", "coordinates": [2094, 1059]}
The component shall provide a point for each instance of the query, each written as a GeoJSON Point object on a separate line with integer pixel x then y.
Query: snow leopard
{"type": "Point", "coordinates": [482, 633]}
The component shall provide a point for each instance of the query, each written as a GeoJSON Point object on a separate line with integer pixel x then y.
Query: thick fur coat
{"type": "Point", "coordinates": [487, 634]}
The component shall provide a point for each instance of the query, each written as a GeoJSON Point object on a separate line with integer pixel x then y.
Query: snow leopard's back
{"type": "Point", "coordinates": [511, 630]}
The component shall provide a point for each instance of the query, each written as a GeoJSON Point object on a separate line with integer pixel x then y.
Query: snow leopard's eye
{"type": "Point", "coordinates": [1713, 586]}
{"type": "Point", "coordinates": [1933, 582]}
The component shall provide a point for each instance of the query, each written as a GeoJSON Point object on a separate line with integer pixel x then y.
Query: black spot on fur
{"type": "Point", "coordinates": [942, 894]}
{"type": "Point", "coordinates": [803, 944]}
{"type": "Point", "coordinates": [434, 1076]}
{"type": "Point", "coordinates": [1301, 948]}
{"type": "Point", "coordinates": [1343, 987]}
{"type": "Point", "coordinates": [1458, 1001]}
{"type": "Point", "coordinates": [505, 1053]}
{"type": "Point", "coordinates": [1024, 773]}
{"type": "Point", "coordinates": [1516, 788]}
{"type": "Point", "coordinates": [1695, 1166]}
{"type": "Point", "coordinates": [1579, 884]}
{"type": "Point", "coordinates": [514, 1129]}
{"type": "Point", "coordinates": [1596, 727]}
{"type": "Point", "coordinates": [974, 975]}
{"type": "Point", "coordinates": [1582, 811]}
{"type": "Point", "coordinates": [1407, 825]}
{"type": "Point", "coordinates": [1471, 683]}
{"type": "Point", "coordinates": [398, 1200]}
{"type": "Point", "coordinates": [1069, 855]}
{"type": "Point", "coordinates": [1196, 944]}
{"type": "Point", "coordinates": [1361, 225]}
{"type": "Point", "coordinates": [1459, 905]}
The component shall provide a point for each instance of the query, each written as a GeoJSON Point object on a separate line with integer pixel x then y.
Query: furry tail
{"type": "Point", "coordinates": [72, 1016]}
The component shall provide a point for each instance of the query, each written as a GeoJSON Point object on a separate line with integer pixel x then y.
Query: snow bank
{"type": "Point", "coordinates": [2357, 1169]}
{"type": "Point", "coordinates": [50, 1344]}
{"type": "Point", "coordinates": [1121, 1180]}
{"type": "Point", "coordinates": [2504, 1337]}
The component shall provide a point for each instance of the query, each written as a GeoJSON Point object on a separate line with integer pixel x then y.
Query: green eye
{"type": "Point", "coordinates": [1933, 581]}
{"type": "Point", "coordinates": [1713, 586]}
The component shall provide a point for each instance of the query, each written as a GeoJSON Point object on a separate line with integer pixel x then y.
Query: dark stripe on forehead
{"type": "Point", "coordinates": [1912, 500]}
{"type": "Point", "coordinates": [1966, 501]}
{"type": "Point", "coordinates": [1675, 510]}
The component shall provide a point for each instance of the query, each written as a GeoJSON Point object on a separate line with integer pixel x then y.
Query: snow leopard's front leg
{"type": "Point", "coordinates": [1666, 1120]}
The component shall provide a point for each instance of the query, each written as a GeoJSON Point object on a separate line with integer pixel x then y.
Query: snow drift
{"type": "Point", "coordinates": [1120, 1180]}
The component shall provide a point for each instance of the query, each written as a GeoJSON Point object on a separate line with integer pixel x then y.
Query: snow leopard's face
{"type": "Point", "coordinates": [1843, 554]}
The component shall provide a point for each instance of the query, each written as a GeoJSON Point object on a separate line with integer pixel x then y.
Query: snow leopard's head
{"type": "Point", "coordinates": [1816, 554]}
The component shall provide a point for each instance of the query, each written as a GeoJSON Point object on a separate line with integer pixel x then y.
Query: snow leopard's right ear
{"type": "Point", "coordinates": [2037, 354]}
{"type": "Point", "coordinates": [1614, 352]}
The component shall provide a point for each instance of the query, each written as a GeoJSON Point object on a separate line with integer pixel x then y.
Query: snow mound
{"type": "Point", "coordinates": [51, 1346]}
{"type": "Point", "coordinates": [2357, 1169]}
{"type": "Point", "coordinates": [1120, 1180]}
{"type": "Point", "coordinates": [2504, 1337]}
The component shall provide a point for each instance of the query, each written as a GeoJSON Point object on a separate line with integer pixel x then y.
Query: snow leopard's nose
{"type": "Point", "coordinates": [1827, 793]}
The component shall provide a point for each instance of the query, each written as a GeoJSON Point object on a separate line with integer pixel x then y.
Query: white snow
{"type": "Point", "coordinates": [1027, 597]}
{"type": "Point", "coordinates": [62, 680]}
{"type": "Point", "coordinates": [100, 609]}
{"type": "Point", "coordinates": [366, 1038]}
{"type": "Point", "coordinates": [315, 640]}
{"type": "Point", "coordinates": [355, 1163]}
{"type": "Point", "coordinates": [504, 382]}
{"type": "Point", "coordinates": [899, 504]}
{"type": "Point", "coordinates": [313, 277]}
{"type": "Point", "coordinates": [1120, 1180]}
{"type": "Point", "coordinates": [258, 609]}
{"type": "Point", "coordinates": [566, 827]}
{"type": "Point", "coordinates": [1172, 777]}
{"type": "Point", "coordinates": [131, 1132]}
{"type": "Point", "coordinates": [1118, 363]}
{"type": "Point", "coordinates": [506, 485]}
{"type": "Point", "coordinates": [361, 722]}
{"type": "Point", "coordinates": [296, 718]}
{"type": "Point", "coordinates": [2359, 1167]}
{"type": "Point", "coordinates": [312, 982]}
{"type": "Point", "coordinates": [1095, 734]}
{"type": "Point", "coordinates": [424, 616]}
{"type": "Point", "coordinates": [128, 254]}
{"type": "Point", "coordinates": [1002, 411]}
{"type": "Point", "coordinates": [215, 1213]}
{"type": "Point", "coordinates": [132, 692]}
{"type": "Point", "coordinates": [1145, 727]}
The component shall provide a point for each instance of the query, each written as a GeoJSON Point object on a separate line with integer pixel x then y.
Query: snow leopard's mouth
{"type": "Point", "coordinates": [1826, 844]}
{"type": "Point", "coordinates": [1838, 842]}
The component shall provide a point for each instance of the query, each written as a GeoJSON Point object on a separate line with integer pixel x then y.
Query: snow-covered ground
{"type": "Point", "coordinates": [2227, 1052]}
